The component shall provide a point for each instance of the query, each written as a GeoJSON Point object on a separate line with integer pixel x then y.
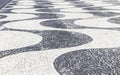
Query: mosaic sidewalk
{"type": "Point", "coordinates": [60, 37]}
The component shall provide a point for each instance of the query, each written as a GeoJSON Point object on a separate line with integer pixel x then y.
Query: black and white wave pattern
{"type": "Point", "coordinates": [60, 37]}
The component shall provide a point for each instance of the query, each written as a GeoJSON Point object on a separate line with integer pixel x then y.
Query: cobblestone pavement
{"type": "Point", "coordinates": [60, 37]}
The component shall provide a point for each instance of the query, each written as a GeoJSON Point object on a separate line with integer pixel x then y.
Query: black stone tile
{"type": "Point", "coordinates": [104, 14]}
{"type": "Point", "coordinates": [42, 9]}
{"type": "Point", "coordinates": [34, 6]}
{"type": "Point", "coordinates": [81, 4]}
{"type": "Point", "coordinates": [49, 10]}
{"type": "Point", "coordinates": [114, 20]}
{"type": "Point", "coordinates": [2, 16]}
{"type": "Point", "coordinates": [89, 62]}
{"type": "Point", "coordinates": [65, 24]}
{"type": "Point", "coordinates": [52, 40]}
{"type": "Point", "coordinates": [95, 8]}
{"type": "Point", "coordinates": [3, 3]}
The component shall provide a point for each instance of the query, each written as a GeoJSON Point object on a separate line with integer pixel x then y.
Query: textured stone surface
{"type": "Point", "coordinates": [60, 37]}
{"type": "Point", "coordinates": [89, 62]}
